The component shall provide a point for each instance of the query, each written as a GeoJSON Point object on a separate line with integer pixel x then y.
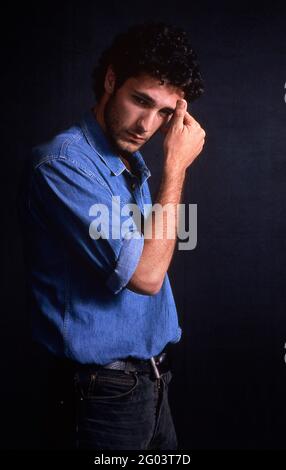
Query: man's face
{"type": "Point", "coordinates": [137, 110]}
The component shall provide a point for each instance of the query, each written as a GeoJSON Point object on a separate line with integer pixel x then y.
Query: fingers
{"type": "Point", "coordinates": [189, 120]}
{"type": "Point", "coordinates": [182, 118]}
{"type": "Point", "coordinates": [193, 124]}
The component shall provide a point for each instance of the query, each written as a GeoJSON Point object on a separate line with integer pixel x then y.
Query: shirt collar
{"type": "Point", "coordinates": [98, 140]}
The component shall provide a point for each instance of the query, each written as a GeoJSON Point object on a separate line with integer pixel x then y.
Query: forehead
{"type": "Point", "coordinates": [154, 88]}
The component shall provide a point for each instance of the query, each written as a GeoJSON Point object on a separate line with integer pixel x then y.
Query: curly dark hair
{"type": "Point", "coordinates": [160, 50]}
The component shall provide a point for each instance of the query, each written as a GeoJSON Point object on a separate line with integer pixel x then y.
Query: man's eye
{"type": "Point", "coordinates": [166, 113]}
{"type": "Point", "coordinates": [140, 100]}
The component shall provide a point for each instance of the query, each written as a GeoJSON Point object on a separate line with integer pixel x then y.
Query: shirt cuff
{"type": "Point", "coordinates": [127, 261]}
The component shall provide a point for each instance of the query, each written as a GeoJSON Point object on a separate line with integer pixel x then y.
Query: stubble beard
{"type": "Point", "coordinates": [112, 124]}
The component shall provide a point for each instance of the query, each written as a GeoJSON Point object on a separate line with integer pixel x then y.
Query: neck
{"type": "Point", "coordinates": [98, 113]}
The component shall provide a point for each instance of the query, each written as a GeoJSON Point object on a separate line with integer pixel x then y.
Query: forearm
{"type": "Point", "coordinates": [183, 142]}
{"type": "Point", "coordinates": [160, 233]}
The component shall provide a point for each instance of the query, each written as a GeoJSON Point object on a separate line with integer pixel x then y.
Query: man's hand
{"type": "Point", "coordinates": [184, 139]}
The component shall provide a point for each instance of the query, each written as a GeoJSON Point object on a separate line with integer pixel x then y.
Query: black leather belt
{"type": "Point", "coordinates": [157, 365]}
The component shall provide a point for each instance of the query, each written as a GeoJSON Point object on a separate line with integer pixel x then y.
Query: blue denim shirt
{"type": "Point", "coordinates": [80, 305]}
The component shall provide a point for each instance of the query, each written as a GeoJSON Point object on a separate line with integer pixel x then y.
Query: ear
{"type": "Point", "coordinates": [109, 82]}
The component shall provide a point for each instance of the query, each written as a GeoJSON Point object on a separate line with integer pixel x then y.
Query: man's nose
{"type": "Point", "coordinates": [145, 123]}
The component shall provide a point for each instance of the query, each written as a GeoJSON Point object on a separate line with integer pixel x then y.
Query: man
{"type": "Point", "coordinates": [100, 298]}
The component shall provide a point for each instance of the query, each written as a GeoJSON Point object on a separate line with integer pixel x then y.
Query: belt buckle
{"type": "Point", "coordinates": [155, 368]}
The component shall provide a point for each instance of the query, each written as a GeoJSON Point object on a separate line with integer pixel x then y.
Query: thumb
{"type": "Point", "coordinates": [179, 114]}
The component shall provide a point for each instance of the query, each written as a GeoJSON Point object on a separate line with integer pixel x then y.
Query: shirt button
{"type": "Point", "coordinates": [133, 185]}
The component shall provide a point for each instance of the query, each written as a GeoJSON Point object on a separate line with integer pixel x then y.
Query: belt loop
{"type": "Point", "coordinates": [129, 367]}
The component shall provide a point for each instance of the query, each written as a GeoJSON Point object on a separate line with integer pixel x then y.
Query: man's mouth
{"type": "Point", "coordinates": [136, 137]}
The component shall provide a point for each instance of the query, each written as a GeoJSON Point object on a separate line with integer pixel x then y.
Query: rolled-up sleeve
{"type": "Point", "coordinates": [61, 197]}
{"type": "Point", "coordinates": [126, 263]}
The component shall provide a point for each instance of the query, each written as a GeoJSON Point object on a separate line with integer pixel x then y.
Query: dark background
{"type": "Point", "coordinates": [228, 389]}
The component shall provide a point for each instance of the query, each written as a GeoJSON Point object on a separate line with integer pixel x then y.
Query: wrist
{"type": "Point", "coordinates": [173, 170]}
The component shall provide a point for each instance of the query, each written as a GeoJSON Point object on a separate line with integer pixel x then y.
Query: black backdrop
{"type": "Point", "coordinates": [229, 370]}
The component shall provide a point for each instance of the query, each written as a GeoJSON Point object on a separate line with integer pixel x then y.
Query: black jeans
{"type": "Point", "coordinates": [123, 411]}
{"type": "Point", "coordinates": [79, 408]}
